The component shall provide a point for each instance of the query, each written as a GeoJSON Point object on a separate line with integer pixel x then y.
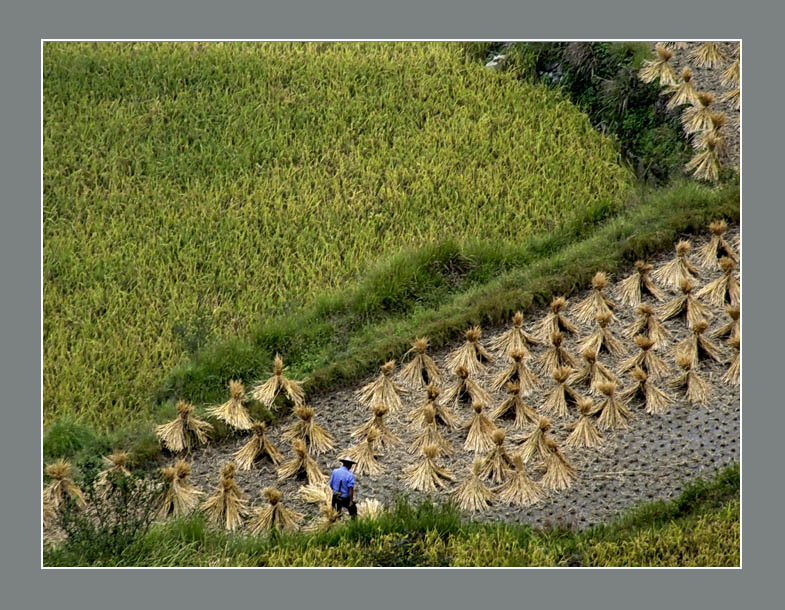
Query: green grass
{"type": "Point", "coordinates": [194, 191]}
{"type": "Point", "coordinates": [699, 528]}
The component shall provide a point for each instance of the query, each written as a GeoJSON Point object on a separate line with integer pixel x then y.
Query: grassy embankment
{"type": "Point", "coordinates": [700, 527]}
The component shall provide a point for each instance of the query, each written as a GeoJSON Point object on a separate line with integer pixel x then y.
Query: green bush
{"type": "Point", "coordinates": [119, 516]}
{"type": "Point", "coordinates": [601, 79]}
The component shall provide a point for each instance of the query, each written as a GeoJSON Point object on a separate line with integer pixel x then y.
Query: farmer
{"type": "Point", "coordinates": [342, 484]}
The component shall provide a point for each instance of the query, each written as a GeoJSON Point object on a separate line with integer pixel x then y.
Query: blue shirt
{"type": "Point", "coordinates": [341, 481]}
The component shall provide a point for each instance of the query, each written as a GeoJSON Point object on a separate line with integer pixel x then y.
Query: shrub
{"type": "Point", "coordinates": [117, 519]}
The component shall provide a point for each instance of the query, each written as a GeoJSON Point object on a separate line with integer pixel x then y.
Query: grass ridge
{"type": "Point", "coordinates": [699, 527]}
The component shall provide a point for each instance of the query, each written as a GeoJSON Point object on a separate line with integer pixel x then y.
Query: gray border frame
{"type": "Point", "coordinates": [25, 24]}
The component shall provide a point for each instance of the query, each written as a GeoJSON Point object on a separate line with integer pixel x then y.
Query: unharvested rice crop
{"type": "Point", "coordinates": [192, 189]}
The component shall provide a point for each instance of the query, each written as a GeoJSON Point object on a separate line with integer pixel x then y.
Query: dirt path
{"type": "Point", "coordinates": [652, 459]}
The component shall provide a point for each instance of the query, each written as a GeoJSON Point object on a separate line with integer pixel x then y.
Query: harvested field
{"type": "Point", "coordinates": [655, 458]}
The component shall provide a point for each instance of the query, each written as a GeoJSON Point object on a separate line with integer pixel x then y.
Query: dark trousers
{"type": "Point", "coordinates": [339, 503]}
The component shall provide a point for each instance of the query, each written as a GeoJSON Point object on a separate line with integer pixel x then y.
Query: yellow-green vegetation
{"type": "Point", "coordinates": [700, 527]}
{"type": "Point", "coordinates": [194, 189]}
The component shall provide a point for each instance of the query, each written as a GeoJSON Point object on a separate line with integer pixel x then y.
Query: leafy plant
{"type": "Point", "coordinates": [120, 513]}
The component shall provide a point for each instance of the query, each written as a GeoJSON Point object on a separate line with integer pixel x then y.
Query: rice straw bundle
{"type": "Point", "coordinates": [274, 516]}
{"type": "Point", "coordinates": [421, 370]}
{"type": "Point", "coordinates": [181, 496]}
{"type": "Point", "coordinates": [717, 121]}
{"type": "Point", "coordinates": [656, 401]}
{"type": "Point", "coordinates": [646, 359]}
{"type": "Point", "coordinates": [382, 390]}
{"type": "Point", "coordinates": [386, 438]}
{"type": "Point", "coordinates": [464, 386]}
{"type": "Point", "coordinates": [592, 371]}
{"type": "Point", "coordinates": [554, 321]}
{"type": "Point", "coordinates": [517, 372]}
{"type": "Point", "coordinates": [613, 414]}
{"type": "Point", "coordinates": [443, 413]}
{"type": "Point", "coordinates": [698, 390]}
{"type": "Point", "coordinates": [559, 473]}
{"type": "Point", "coordinates": [328, 517]}
{"type": "Point", "coordinates": [472, 494]}
{"type": "Point", "coordinates": [364, 454]}
{"type": "Point", "coordinates": [257, 447]}
{"type": "Point", "coordinates": [534, 445]}
{"type": "Point", "coordinates": [266, 392]}
{"type": "Point", "coordinates": [677, 44]}
{"type": "Point", "coordinates": [677, 269]}
{"type": "Point", "coordinates": [115, 465]}
{"type": "Point", "coordinates": [733, 374]}
{"type": "Point", "coordinates": [710, 253]}
{"type": "Point", "coordinates": [649, 325]}
{"type": "Point", "coordinates": [515, 339]}
{"type": "Point", "coordinates": [597, 303]}
{"type": "Point", "coordinates": [233, 412]}
{"type": "Point", "coordinates": [659, 68]}
{"type": "Point", "coordinates": [471, 355]}
{"type": "Point", "coordinates": [684, 93]}
{"type": "Point", "coordinates": [731, 77]}
{"type": "Point", "coordinates": [62, 486]}
{"type": "Point", "coordinates": [430, 435]}
{"type": "Point", "coordinates": [316, 493]}
{"type": "Point", "coordinates": [731, 328]}
{"type": "Point", "coordinates": [696, 118]}
{"type": "Point", "coordinates": [524, 414]}
{"type": "Point", "coordinates": [697, 347]}
{"type": "Point", "coordinates": [227, 506]}
{"type": "Point", "coordinates": [733, 97]}
{"type": "Point", "coordinates": [685, 304]}
{"type": "Point", "coordinates": [370, 508]}
{"type": "Point", "coordinates": [497, 465]}
{"type": "Point", "coordinates": [427, 475]}
{"type": "Point", "coordinates": [480, 436]}
{"type": "Point", "coordinates": [584, 432]}
{"type": "Point", "coordinates": [709, 55]}
{"type": "Point", "coordinates": [556, 400]}
{"type": "Point", "coordinates": [519, 489]}
{"type": "Point", "coordinates": [556, 357]}
{"type": "Point", "coordinates": [305, 428]}
{"type": "Point", "coordinates": [169, 475]}
{"type": "Point", "coordinates": [301, 463]}
{"type": "Point", "coordinates": [725, 289]}
{"type": "Point", "coordinates": [630, 290]}
{"type": "Point", "coordinates": [185, 431]}
{"type": "Point", "coordinates": [602, 338]}
{"type": "Point", "coordinates": [706, 164]}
